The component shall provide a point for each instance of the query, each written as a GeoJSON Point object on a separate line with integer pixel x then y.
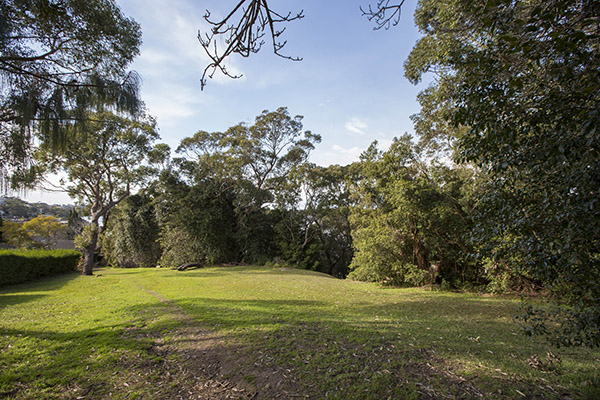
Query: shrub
{"type": "Point", "coordinates": [17, 266]}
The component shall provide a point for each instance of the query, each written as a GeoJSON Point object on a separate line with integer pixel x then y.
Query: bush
{"type": "Point", "coordinates": [17, 266]}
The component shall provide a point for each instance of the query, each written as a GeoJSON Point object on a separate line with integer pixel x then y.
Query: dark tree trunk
{"type": "Point", "coordinates": [90, 249]}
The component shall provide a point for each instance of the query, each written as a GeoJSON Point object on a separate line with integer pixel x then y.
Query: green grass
{"type": "Point", "coordinates": [132, 334]}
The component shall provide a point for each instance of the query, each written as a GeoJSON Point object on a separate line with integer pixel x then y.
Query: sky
{"type": "Point", "coordinates": [350, 85]}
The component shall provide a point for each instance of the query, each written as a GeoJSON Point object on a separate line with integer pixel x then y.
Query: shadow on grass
{"type": "Point", "coordinates": [121, 359]}
{"type": "Point", "coordinates": [356, 353]}
{"type": "Point", "coordinates": [14, 294]}
{"type": "Point", "coordinates": [455, 335]}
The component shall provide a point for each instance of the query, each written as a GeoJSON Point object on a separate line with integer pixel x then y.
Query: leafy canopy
{"type": "Point", "coordinates": [517, 82]}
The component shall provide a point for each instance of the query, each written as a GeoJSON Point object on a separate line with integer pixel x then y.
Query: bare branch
{"type": "Point", "coordinates": [243, 37]}
{"type": "Point", "coordinates": [383, 14]}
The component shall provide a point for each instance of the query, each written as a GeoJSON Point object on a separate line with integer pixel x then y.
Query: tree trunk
{"type": "Point", "coordinates": [90, 249]}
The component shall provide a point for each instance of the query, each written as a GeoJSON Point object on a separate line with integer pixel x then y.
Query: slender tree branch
{"type": "Point", "coordinates": [384, 14]}
{"type": "Point", "coordinates": [243, 37]}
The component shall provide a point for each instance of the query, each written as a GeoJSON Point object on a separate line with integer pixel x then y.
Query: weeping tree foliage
{"type": "Point", "coordinates": [59, 60]}
{"type": "Point", "coordinates": [131, 237]}
{"type": "Point", "coordinates": [518, 83]}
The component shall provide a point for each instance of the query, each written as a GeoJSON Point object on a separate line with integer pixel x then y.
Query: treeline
{"type": "Point", "coordinates": [249, 195]}
{"type": "Point", "coordinates": [12, 207]}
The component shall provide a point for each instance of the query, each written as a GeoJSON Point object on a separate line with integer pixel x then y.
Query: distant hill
{"type": "Point", "coordinates": [12, 207]}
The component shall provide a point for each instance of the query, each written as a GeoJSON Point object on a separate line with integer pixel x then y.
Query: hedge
{"type": "Point", "coordinates": [17, 266]}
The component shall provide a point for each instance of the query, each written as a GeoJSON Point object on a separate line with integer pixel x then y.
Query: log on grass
{"type": "Point", "coordinates": [188, 266]}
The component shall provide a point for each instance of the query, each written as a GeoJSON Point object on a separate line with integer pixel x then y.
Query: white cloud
{"type": "Point", "coordinates": [356, 126]}
{"type": "Point", "coordinates": [326, 102]}
{"type": "Point", "coordinates": [338, 155]}
{"type": "Point", "coordinates": [353, 151]}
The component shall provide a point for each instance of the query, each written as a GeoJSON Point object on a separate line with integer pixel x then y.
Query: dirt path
{"type": "Point", "coordinates": [200, 364]}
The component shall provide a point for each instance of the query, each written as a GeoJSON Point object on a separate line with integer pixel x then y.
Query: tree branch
{"type": "Point", "coordinates": [383, 14]}
{"type": "Point", "coordinates": [243, 37]}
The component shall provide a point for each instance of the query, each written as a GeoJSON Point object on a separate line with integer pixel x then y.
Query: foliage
{"type": "Point", "coordinates": [17, 266]}
{"type": "Point", "coordinates": [518, 82]}
{"type": "Point", "coordinates": [14, 235]}
{"type": "Point", "coordinates": [313, 230]}
{"type": "Point", "coordinates": [44, 231]}
{"type": "Point", "coordinates": [262, 153]}
{"type": "Point", "coordinates": [40, 232]}
{"type": "Point", "coordinates": [410, 222]}
{"type": "Point", "coordinates": [84, 238]}
{"type": "Point", "coordinates": [198, 222]}
{"type": "Point", "coordinates": [58, 60]}
{"type": "Point", "coordinates": [229, 182]}
{"type": "Point", "coordinates": [75, 224]}
{"type": "Point", "coordinates": [131, 238]}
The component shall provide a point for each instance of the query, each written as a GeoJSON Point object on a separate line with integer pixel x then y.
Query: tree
{"type": "Point", "coordinates": [313, 230]}
{"type": "Point", "coordinates": [409, 222]}
{"type": "Point", "coordinates": [262, 153]}
{"type": "Point", "coordinates": [246, 25]}
{"type": "Point", "coordinates": [59, 59]}
{"type": "Point", "coordinates": [14, 235]}
{"type": "Point", "coordinates": [197, 220]}
{"type": "Point", "coordinates": [518, 82]}
{"type": "Point", "coordinates": [102, 164]}
{"type": "Point", "coordinates": [40, 232]}
{"type": "Point", "coordinates": [252, 162]}
{"type": "Point", "coordinates": [44, 231]}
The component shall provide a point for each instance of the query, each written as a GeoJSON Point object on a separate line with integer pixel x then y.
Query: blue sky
{"type": "Point", "coordinates": [350, 86]}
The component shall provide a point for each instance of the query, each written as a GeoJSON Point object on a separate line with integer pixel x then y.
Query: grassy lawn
{"type": "Point", "coordinates": [255, 332]}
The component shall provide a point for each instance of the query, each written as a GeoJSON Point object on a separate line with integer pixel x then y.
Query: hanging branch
{"type": "Point", "coordinates": [383, 14]}
{"type": "Point", "coordinates": [245, 36]}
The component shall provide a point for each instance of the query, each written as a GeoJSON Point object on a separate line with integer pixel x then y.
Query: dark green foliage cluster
{"type": "Point", "coordinates": [518, 92]}
{"type": "Point", "coordinates": [198, 223]}
{"type": "Point", "coordinates": [136, 244]}
{"type": "Point", "coordinates": [244, 196]}
{"type": "Point", "coordinates": [17, 266]}
{"type": "Point", "coordinates": [412, 219]}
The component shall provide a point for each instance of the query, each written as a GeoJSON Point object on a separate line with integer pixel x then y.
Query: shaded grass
{"type": "Point", "coordinates": [79, 336]}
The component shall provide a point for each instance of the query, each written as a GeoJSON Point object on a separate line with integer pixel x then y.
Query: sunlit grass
{"type": "Point", "coordinates": [78, 336]}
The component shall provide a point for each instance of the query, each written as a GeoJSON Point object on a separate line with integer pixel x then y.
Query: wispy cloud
{"type": "Point", "coordinates": [356, 126]}
{"type": "Point", "coordinates": [326, 102]}
{"type": "Point", "coordinates": [338, 155]}
{"type": "Point", "coordinates": [171, 61]}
